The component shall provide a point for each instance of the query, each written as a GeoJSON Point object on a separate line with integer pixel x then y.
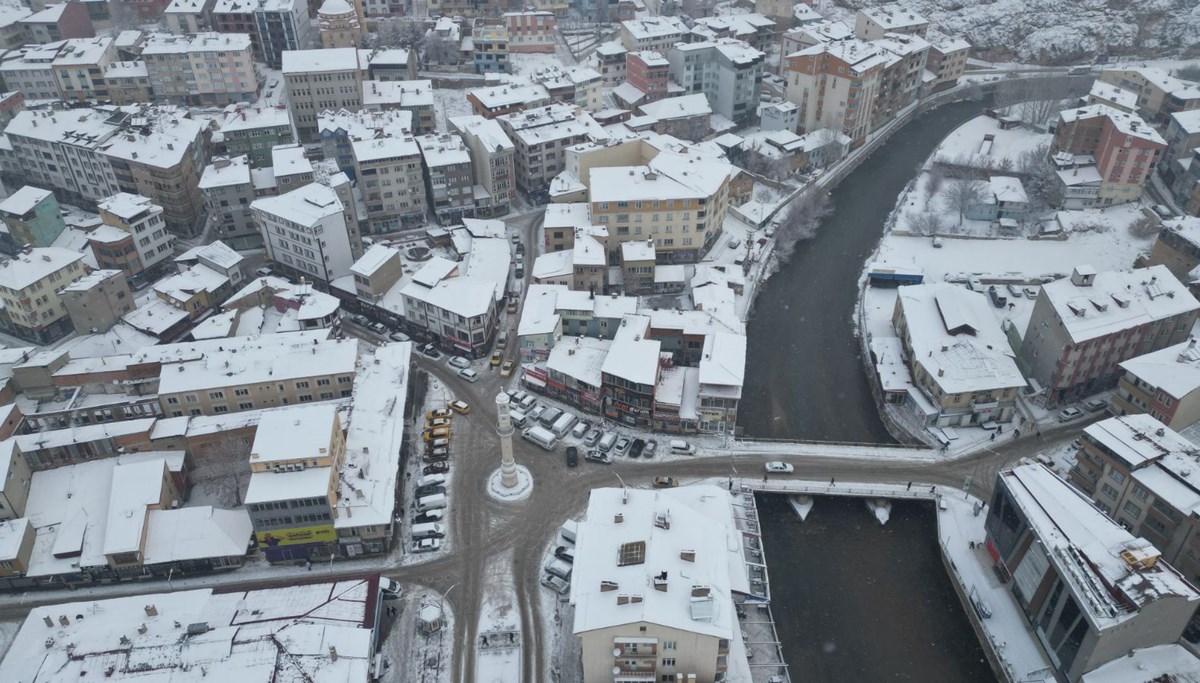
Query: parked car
{"type": "Point", "coordinates": [360, 320]}
{"type": "Point", "coordinates": [665, 482]}
{"type": "Point", "coordinates": [459, 362]}
{"type": "Point", "coordinates": [622, 445]}
{"type": "Point", "coordinates": [431, 351]}
{"type": "Point", "coordinates": [436, 433]}
{"type": "Point", "coordinates": [536, 413]}
{"type": "Point", "coordinates": [429, 517]}
{"type": "Point", "coordinates": [438, 422]}
{"type": "Point", "coordinates": [422, 491]}
{"type": "Point", "coordinates": [436, 468]}
{"type": "Point", "coordinates": [572, 456]}
{"type": "Point", "coordinates": [460, 407]}
{"type": "Point", "coordinates": [565, 554]}
{"type": "Point", "coordinates": [399, 337]}
{"type": "Point", "coordinates": [520, 248]}
{"type": "Point", "coordinates": [378, 328]}
{"type": "Point", "coordinates": [998, 299]}
{"type": "Point", "coordinates": [635, 450]}
{"type": "Point", "coordinates": [598, 456]}
{"type": "Point", "coordinates": [592, 437]}
{"type": "Point", "coordinates": [437, 455]}
{"type": "Point", "coordinates": [1095, 405]}
{"type": "Point", "coordinates": [436, 413]}
{"type": "Point", "coordinates": [975, 285]}
{"type": "Point", "coordinates": [515, 237]}
{"type": "Point", "coordinates": [681, 447]}
{"type": "Point", "coordinates": [427, 545]}
{"type": "Point", "coordinates": [651, 447]}
{"type": "Point", "coordinates": [580, 429]}
{"type": "Point", "coordinates": [264, 271]}
{"type": "Point", "coordinates": [734, 244]}
{"type": "Point", "coordinates": [1068, 414]}
{"type": "Point", "coordinates": [507, 368]}
{"type": "Point", "coordinates": [777, 467]}
{"type": "Point", "coordinates": [389, 588]}
{"type": "Point", "coordinates": [1162, 211]}
{"type": "Point", "coordinates": [1014, 291]}
{"type": "Point", "coordinates": [1030, 292]}
{"type": "Point", "coordinates": [469, 375]}
{"type": "Point", "coordinates": [511, 307]}
{"type": "Point", "coordinates": [496, 359]}
{"type": "Point", "coordinates": [555, 584]}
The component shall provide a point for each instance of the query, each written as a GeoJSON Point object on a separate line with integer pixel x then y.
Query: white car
{"type": "Point", "coordinates": [778, 467]}
{"type": "Point", "coordinates": [427, 545]}
{"type": "Point", "coordinates": [555, 584]}
{"type": "Point", "coordinates": [1068, 414]}
{"type": "Point", "coordinates": [459, 362]}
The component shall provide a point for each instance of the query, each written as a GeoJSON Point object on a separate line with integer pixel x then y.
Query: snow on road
{"type": "Point", "coordinates": [499, 637]}
{"type": "Point", "coordinates": [413, 656]}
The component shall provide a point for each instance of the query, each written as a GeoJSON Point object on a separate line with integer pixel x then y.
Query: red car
{"type": "Point", "coordinates": [437, 468]}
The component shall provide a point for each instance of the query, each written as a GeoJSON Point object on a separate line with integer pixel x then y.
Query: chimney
{"type": "Point", "coordinates": [151, 610]}
{"type": "Point", "coordinates": [333, 655]}
{"type": "Point", "coordinates": [48, 620]}
{"type": "Point", "coordinates": [687, 555]}
{"type": "Point", "coordinates": [62, 619]}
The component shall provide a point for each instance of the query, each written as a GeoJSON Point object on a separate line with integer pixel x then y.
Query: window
{"type": "Point", "coordinates": [1133, 510]}
{"type": "Point", "coordinates": [1109, 491]}
{"type": "Point", "coordinates": [1140, 493]}
{"type": "Point", "coordinates": [1116, 476]}
{"type": "Point", "coordinates": [670, 644]}
{"type": "Point", "coordinates": [668, 662]}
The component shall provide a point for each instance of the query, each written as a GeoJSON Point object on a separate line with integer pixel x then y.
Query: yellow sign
{"type": "Point", "coordinates": [307, 534]}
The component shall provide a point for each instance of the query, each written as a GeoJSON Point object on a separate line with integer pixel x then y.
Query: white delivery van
{"type": "Point", "coordinates": [435, 502]}
{"type": "Point", "coordinates": [580, 430]}
{"type": "Point", "coordinates": [607, 441]}
{"type": "Point", "coordinates": [563, 424]}
{"type": "Point", "coordinates": [541, 436]}
{"type": "Point", "coordinates": [518, 418]}
{"type": "Point", "coordinates": [430, 530]}
{"type": "Point", "coordinates": [682, 447]}
{"type": "Point", "coordinates": [549, 417]}
{"type": "Point", "coordinates": [568, 530]}
{"type": "Point", "coordinates": [431, 480]}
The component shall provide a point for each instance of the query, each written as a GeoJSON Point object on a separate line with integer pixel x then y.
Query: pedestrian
{"type": "Point", "coordinates": [764, 478]}
{"type": "Point", "coordinates": [1039, 434]}
{"type": "Point", "coordinates": [308, 565]}
{"type": "Point", "coordinates": [972, 545]}
{"type": "Point", "coordinates": [731, 483]}
{"type": "Point", "coordinates": [909, 487]}
{"type": "Point", "coordinates": [933, 489]}
{"type": "Point", "coordinates": [1016, 434]}
{"type": "Point", "coordinates": [832, 481]}
{"type": "Point", "coordinates": [993, 436]}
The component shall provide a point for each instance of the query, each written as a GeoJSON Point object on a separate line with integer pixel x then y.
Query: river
{"type": "Point", "coordinates": [804, 376]}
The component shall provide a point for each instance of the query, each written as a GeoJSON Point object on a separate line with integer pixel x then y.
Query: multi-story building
{"type": "Point", "coordinates": [490, 43]}
{"type": "Point", "coordinates": [1083, 326]}
{"type": "Point", "coordinates": [59, 22]}
{"type": "Point", "coordinates": [835, 85]}
{"type": "Point", "coordinates": [1116, 97]}
{"type": "Point", "coordinates": [649, 73]}
{"type": "Point", "coordinates": [531, 31]}
{"type": "Point", "coordinates": [505, 98]}
{"type": "Point", "coordinates": [318, 80]}
{"type": "Point", "coordinates": [609, 61]}
{"type": "Point", "coordinates": [958, 355]}
{"type": "Point", "coordinates": [1182, 137]}
{"type": "Point", "coordinates": [1125, 147]}
{"type": "Point", "coordinates": [676, 200]}
{"type": "Point", "coordinates": [1091, 590]}
{"type": "Point", "coordinates": [98, 300]}
{"type": "Point", "coordinates": [339, 25]}
{"type": "Point", "coordinates": [872, 23]}
{"type": "Point", "coordinates": [449, 177]}
{"type": "Point", "coordinates": [410, 96]}
{"type": "Point", "coordinates": [655, 583]}
{"type": "Point", "coordinates": [630, 373]}
{"type": "Point", "coordinates": [947, 61]}
{"type": "Point", "coordinates": [128, 82]}
{"type": "Point", "coordinates": [254, 131]}
{"type": "Point", "coordinates": [29, 287]}
{"type": "Point", "coordinates": [30, 69]}
{"type": "Point", "coordinates": [540, 136]}
{"type": "Point", "coordinates": [390, 64]}
{"type": "Point", "coordinates": [391, 181]}
{"type": "Point", "coordinates": [1159, 94]}
{"type": "Point", "coordinates": [1164, 384]}
{"type": "Point", "coordinates": [142, 220]}
{"type": "Point", "coordinates": [201, 69]}
{"type": "Point", "coordinates": [902, 77]}
{"type": "Point", "coordinates": [339, 130]}
{"type": "Point", "coordinates": [687, 117]}
{"type": "Point", "coordinates": [461, 312]}
{"type": "Point", "coordinates": [79, 68]}
{"type": "Point", "coordinates": [492, 155]}
{"type": "Point", "coordinates": [305, 232]}
{"type": "Point", "coordinates": [1136, 470]}
{"type": "Point", "coordinates": [754, 29]}
{"type": "Point", "coordinates": [189, 16]}
{"type": "Point", "coordinates": [275, 26]}
{"type": "Point", "coordinates": [808, 35]}
{"type": "Point", "coordinates": [652, 33]}
{"type": "Point", "coordinates": [11, 104]}
{"type": "Point", "coordinates": [728, 72]}
{"type": "Point", "coordinates": [13, 34]}
{"type": "Point", "coordinates": [32, 217]}
{"type": "Point", "coordinates": [228, 190]}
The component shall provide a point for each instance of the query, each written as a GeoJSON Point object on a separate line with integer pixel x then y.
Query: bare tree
{"type": "Point", "coordinates": [800, 221]}
{"type": "Point", "coordinates": [761, 164]}
{"type": "Point", "coordinates": [961, 195]}
{"type": "Point", "coordinates": [1035, 100]}
{"type": "Point", "coordinates": [1039, 176]}
{"type": "Point", "coordinates": [933, 185]}
{"type": "Point", "coordinates": [222, 469]}
{"type": "Point", "coordinates": [442, 51]}
{"type": "Point", "coordinates": [122, 16]}
{"type": "Point", "coordinates": [1190, 71]}
{"type": "Point", "coordinates": [924, 223]}
{"type": "Point", "coordinates": [1146, 226]}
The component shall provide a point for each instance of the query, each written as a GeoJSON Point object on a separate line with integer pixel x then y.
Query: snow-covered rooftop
{"type": "Point", "coordinates": [155, 317]}
{"type": "Point", "coordinates": [378, 149]}
{"type": "Point", "coordinates": [305, 205]}
{"type": "Point", "coordinates": [260, 362]}
{"type": "Point", "coordinates": [1118, 301]}
{"type": "Point", "coordinates": [443, 150]}
{"type": "Point", "coordinates": [24, 200]}
{"type": "Point", "coordinates": [579, 358]}
{"type": "Point", "coordinates": [128, 206]}
{"type": "Point", "coordinates": [1125, 122]}
{"type": "Point", "coordinates": [364, 125]}
{"type": "Point", "coordinates": [183, 286]}
{"type": "Point", "coordinates": [723, 362]}
{"type": "Point", "coordinates": [654, 27]}
{"type": "Point", "coordinates": [538, 313]}
{"type": "Point", "coordinates": [464, 295]}
{"type": "Point", "coordinates": [167, 43]}
{"type": "Point", "coordinates": [397, 93]}
{"type": "Point", "coordinates": [859, 54]}
{"type": "Point", "coordinates": [667, 176]}
{"type": "Point", "coordinates": [302, 432]}
{"type": "Point", "coordinates": [1174, 370]}
{"type": "Point", "coordinates": [894, 16]}
{"type": "Point", "coordinates": [669, 557]}
{"type": "Point", "coordinates": [506, 95]}
{"type": "Point", "coordinates": [1007, 189]}
{"type": "Point", "coordinates": [553, 264]}
{"type": "Point", "coordinates": [567, 215]}
{"type": "Point", "coordinates": [320, 60]}
{"type": "Point", "coordinates": [633, 357]}
{"type": "Point", "coordinates": [1170, 663]}
{"type": "Point", "coordinates": [684, 106]}
{"type": "Point", "coordinates": [489, 132]}
{"type": "Point", "coordinates": [553, 122]}
{"type": "Point", "coordinates": [23, 270]}
{"type": "Point", "coordinates": [1117, 96]}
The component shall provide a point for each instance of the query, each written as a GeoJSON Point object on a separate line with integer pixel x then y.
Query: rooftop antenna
{"type": "Point", "coordinates": [624, 488]}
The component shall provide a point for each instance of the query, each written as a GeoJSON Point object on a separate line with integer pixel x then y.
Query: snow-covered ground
{"type": "Point", "coordinates": [450, 103]}
{"type": "Point", "coordinates": [500, 636]}
{"type": "Point", "coordinates": [8, 631]}
{"type": "Point", "coordinates": [413, 656]}
{"type": "Point", "coordinates": [561, 650]}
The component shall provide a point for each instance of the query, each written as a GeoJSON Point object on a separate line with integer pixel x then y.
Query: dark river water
{"type": "Point", "coordinates": [804, 379]}
{"type": "Point", "coordinates": [859, 602]}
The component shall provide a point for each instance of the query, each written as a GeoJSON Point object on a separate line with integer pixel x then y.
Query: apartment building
{"type": "Point", "coordinates": [128, 82]}
{"type": "Point", "coordinates": [97, 301]}
{"type": "Point", "coordinates": [390, 64]}
{"type": "Point", "coordinates": [339, 25]}
{"type": "Point", "coordinates": [649, 73]}
{"type": "Point", "coordinates": [728, 72]}
{"type": "Point", "coordinates": [275, 26]}
{"type": "Point", "coordinates": [540, 137]}
{"type": "Point", "coordinates": [142, 221]}
{"type": "Point", "coordinates": [490, 43]}
{"type": "Point", "coordinates": [411, 96]}
{"type": "Point", "coordinates": [958, 356]}
{"type": "Point", "coordinates": [201, 69]}
{"type": "Point", "coordinates": [902, 76]}
{"type": "Point", "coordinates": [305, 232]}
{"type": "Point", "coordinates": [79, 68]}
{"type": "Point", "coordinates": [872, 23]}
{"type": "Point", "coordinates": [449, 177]}
{"type": "Point", "coordinates": [317, 80]}
{"type": "Point", "coordinates": [506, 98]}
{"type": "Point", "coordinates": [1083, 326]}
{"type": "Point", "coordinates": [29, 286]}
{"type": "Point", "coordinates": [531, 31]}
{"type": "Point", "coordinates": [809, 35]}
{"type": "Point", "coordinates": [609, 60]}
{"type": "Point", "coordinates": [655, 582]}
{"type": "Point", "coordinates": [751, 28]}
{"type": "Point", "coordinates": [254, 131]}
{"type": "Point", "coordinates": [228, 190]}
{"type": "Point", "coordinates": [189, 16]}
{"type": "Point", "coordinates": [1091, 590]}
{"type": "Point", "coordinates": [461, 311]}
{"type": "Point", "coordinates": [30, 69]}
{"type": "Point", "coordinates": [652, 33]}
{"type": "Point", "coordinates": [1136, 470]}
{"type": "Point", "coordinates": [835, 86]}
{"type": "Point", "coordinates": [391, 180]}
{"type": "Point", "coordinates": [630, 373]}
{"type": "Point", "coordinates": [492, 155]}
{"type": "Point", "coordinates": [258, 376]}
{"type": "Point", "coordinates": [59, 22]}
{"type": "Point", "coordinates": [1164, 384]}
{"type": "Point", "coordinates": [340, 129]}
{"type": "Point", "coordinates": [32, 217]}
{"type": "Point", "coordinates": [1159, 94]}
{"type": "Point", "coordinates": [678, 201]}
{"type": "Point", "coordinates": [946, 62]}
{"type": "Point", "coordinates": [1125, 147]}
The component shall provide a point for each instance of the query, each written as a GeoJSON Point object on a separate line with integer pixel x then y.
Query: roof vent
{"type": "Point", "coordinates": [608, 586]}
{"type": "Point", "coordinates": [151, 610]}
{"type": "Point", "coordinates": [687, 555]}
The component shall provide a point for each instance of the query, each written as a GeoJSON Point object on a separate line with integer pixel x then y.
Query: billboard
{"type": "Point", "coordinates": [296, 536]}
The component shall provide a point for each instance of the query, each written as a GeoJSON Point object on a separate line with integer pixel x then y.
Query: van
{"type": "Point", "coordinates": [435, 502]}
{"type": "Point", "coordinates": [431, 530]}
{"type": "Point", "coordinates": [580, 430]}
{"type": "Point", "coordinates": [431, 480]}
{"type": "Point", "coordinates": [568, 530]}
{"type": "Point", "coordinates": [607, 441]}
{"type": "Point", "coordinates": [682, 447]}
{"type": "Point", "coordinates": [528, 402]}
{"type": "Point", "coordinates": [557, 567]}
{"type": "Point", "coordinates": [518, 418]}
{"type": "Point", "coordinates": [541, 437]}
{"type": "Point", "coordinates": [468, 374]}
{"type": "Point", "coordinates": [1014, 290]}
{"type": "Point", "coordinates": [562, 426]}
{"type": "Point", "coordinates": [502, 341]}
{"type": "Point", "coordinates": [549, 417]}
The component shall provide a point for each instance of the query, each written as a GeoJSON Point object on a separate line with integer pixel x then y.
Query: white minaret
{"type": "Point", "coordinates": [504, 429]}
